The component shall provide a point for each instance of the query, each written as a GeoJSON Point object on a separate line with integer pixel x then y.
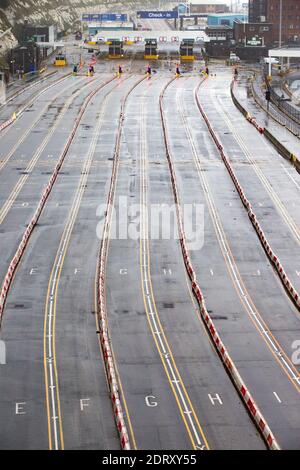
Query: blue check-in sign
{"type": "Point", "coordinates": [157, 15]}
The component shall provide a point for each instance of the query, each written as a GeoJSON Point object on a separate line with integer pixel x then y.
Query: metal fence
{"type": "Point", "coordinates": [284, 105]}
{"type": "Point", "coordinates": [274, 110]}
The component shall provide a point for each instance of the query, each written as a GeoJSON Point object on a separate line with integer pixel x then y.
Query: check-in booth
{"type": "Point", "coordinates": [151, 49]}
{"type": "Point", "coordinates": [187, 50]}
{"type": "Point", "coordinates": [115, 50]}
{"type": "Point", "coordinates": [60, 60]}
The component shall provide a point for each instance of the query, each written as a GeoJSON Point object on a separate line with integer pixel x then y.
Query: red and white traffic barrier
{"type": "Point", "coordinates": [26, 236]}
{"type": "Point", "coordinates": [101, 290]}
{"type": "Point", "coordinates": [241, 387]}
{"type": "Point", "coordinates": [81, 64]}
{"type": "Point", "coordinates": [254, 122]}
{"type": "Point", "coordinates": [252, 216]}
{"type": "Point", "coordinates": [8, 123]}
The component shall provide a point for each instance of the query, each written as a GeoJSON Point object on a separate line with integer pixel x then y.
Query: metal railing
{"type": "Point", "coordinates": [274, 110]}
{"type": "Point", "coordinates": [284, 105]}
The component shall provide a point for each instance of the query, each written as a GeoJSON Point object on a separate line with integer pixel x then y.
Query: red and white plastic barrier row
{"type": "Point", "coordinates": [16, 259]}
{"type": "Point", "coordinates": [229, 364]}
{"type": "Point", "coordinates": [81, 65]}
{"type": "Point", "coordinates": [101, 295]}
{"type": "Point", "coordinates": [8, 123]}
{"type": "Point", "coordinates": [93, 61]}
{"type": "Point", "coordinates": [253, 121]}
{"type": "Point", "coordinates": [270, 253]}
{"type": "Point", "coordinates": [18, 114]}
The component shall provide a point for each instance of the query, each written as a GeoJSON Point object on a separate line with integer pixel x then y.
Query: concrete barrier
{"type": "Point", "coordinates": [282, 150]}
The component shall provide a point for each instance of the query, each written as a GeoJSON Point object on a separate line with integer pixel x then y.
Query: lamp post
{"type": "Point", "coordinates": [13, 67]}
{"type": "Point", "coordinates": [280, 23]}
{"type": "Point", "coordinates": [23, 49]}
{"type": "Point", "coordinates": [244, 10]}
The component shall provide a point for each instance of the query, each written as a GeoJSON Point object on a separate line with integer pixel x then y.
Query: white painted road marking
{"type": "Point", "coordinates": [84, 403]}
{"type": "Point", "coordinates": [20, 408]}
{"type": "Point", "coordinates": [215, 398]}
{"type": "Point", "coordinates": [167, 272]}
{"type": "Point", "coordinates": [150, 401]}
{"type": "Point", "coordinates": [277, 397]}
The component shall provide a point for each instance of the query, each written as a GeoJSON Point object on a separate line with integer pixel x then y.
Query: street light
{"type": "Point", "coordinates": [244, 11]}
{"type": "Point", "coordinates": [13, 67]}
{"type": "Point", "coordinates": [280, 23]}
{"type": "Point", "coordinates": [23, 48]}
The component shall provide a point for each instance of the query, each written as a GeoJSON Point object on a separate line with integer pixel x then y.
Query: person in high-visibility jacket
{"type": "Point", "coordinates": [149, 71]}
{"type": "Point", "coordinates": [177, 71]}
{"type": "Point", "coordinates": [120, 71]}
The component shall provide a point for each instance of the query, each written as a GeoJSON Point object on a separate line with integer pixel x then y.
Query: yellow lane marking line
{"type": "Point", "coordinates": [55, 431]}
{"type": "Point", "coordinates": [189, 417]}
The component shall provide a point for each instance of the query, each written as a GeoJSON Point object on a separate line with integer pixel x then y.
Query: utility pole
{"type": "Point", "coordinates": [13, 67]}
{"type": "Point", "coordinates": [280, 23]}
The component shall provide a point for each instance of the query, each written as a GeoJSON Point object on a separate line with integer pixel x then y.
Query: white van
{"type": "Point", "coordinates": [234, 58]}
{"type": "Point", "coordinates": [271, 60]}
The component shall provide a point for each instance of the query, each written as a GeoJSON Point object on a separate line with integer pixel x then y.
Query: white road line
{"type": "Point", "coordinates": [144, 240]}
{"type": "Point", "coordinates": [290, 176]}
{"type": "Point", "coordinates": [277, 397]}
{"type": "Point", "coordinates": [59, 259]}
